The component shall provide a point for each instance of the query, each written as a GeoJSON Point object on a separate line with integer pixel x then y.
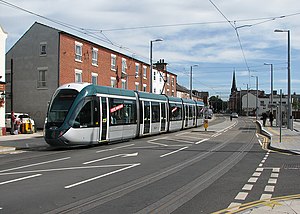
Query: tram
{"type": "Point", "coordinates": [83, 114]}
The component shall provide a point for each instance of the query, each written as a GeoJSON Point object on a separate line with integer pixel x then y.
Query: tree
{"type": "Point", "coordinates": [217, 104]}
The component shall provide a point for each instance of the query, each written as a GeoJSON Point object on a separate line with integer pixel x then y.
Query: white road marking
{"type": "Point", "coordinates": [274, 175]}
{"type": "Point", "coordinates": [64, 169]}
{"type": "Point", "coordinates": [234, 205]}
{"type": "Point", "coordinates": [260, 165]}
{"type": "Point", "coordinates": [256, 174]}
{"type": "Point", "coordinates": [265, 196]}
{"type": "Point", "coordinates": [276, 170]}
{"type": "Point", "coordinates": [101, 176]}
{"type": "Point", "coordinates": [272, 181]}
{"type": "Point", "coordinates": [35, 164]}
{"type": "Point", "coordinates": [170, 153]}
{"type": "Point", "coordinates": [259, 169]}
{"type": "Point", "coordinates": [260, 142]}
{"type": "Point", "coordinates": [110, 157]}
{"type": "Point", "coordinates": [241, 196]}
{"type": "Point", "coordinates": [182, 133]}
{"type": "Point", "coordinates": [269, 188]}
{"type": "Point", "coordinates": [120, 147]}
{"type": "Point", "coordinates": [182, 141]}
{"type": "Point", "coordinates": [252, 180]}
{"type": "Point", "coordinates": [247, 187]}
{"type": "Point", "coordinates": [19, 179]}
{"type": "Point", "coordinates": [201, 141]}
{"type": "Point", "coordinates": [263, 161]}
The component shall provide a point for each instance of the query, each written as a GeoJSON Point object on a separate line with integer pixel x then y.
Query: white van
{"type": "Point", "coordinates": [21, 117]}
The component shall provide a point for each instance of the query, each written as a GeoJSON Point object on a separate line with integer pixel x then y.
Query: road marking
{"type": "Point", "coordinates": [201, 141]}
{"type": "Point", "coordinates": [259, 169]}
{"type": "Point", "coordinates": [182, 141]}
{"type": "Point", "coordinates": [64, 169]}
{"type": "Point", "coordinates": [35, 164]}
{"type": "Point", "coordinates": [119, 147]}
{"type": "Point", "coordinates": [256, 174]}
{"type": "Point", "coordinates": [101, 176]}
{"type": "Point", "coordinates": [252, 180]}
{"type": "Point", "coordinates": [260, 165]}
{"type": "Point", "coordinates": [275, 169]}
{"type": "Point", "coordinates": [170, 153]}
{"type": "Point", "coordinates": [113, 156]}
{"type": "Point", "coordinates": [274, 175]}
{"type": "Point", "coordinates": [247, 187]}
{"type": "Point", "coordinates": [272, 181]}
{"type": "Point", "coordinates": [234, 206]}
{"type": "Point", "coordinates": [182, 133]}
{"type": "Point", "coordinates": [269, 188]}
{"type": "Point", "coordinates": [241, 196]}
{"type": "Point", "coordinates": [265, 196]}
{"type": "Point", "coordinates": [19, 179]}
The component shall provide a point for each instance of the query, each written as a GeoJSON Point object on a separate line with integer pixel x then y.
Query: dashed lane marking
{"type": "Point", "coordinates": [19, 179]}
{"type": "Point", "coordinates": [241, 196]}
{"type": "Point", "coordinates": [170, 153]}
{"type": "Point", "coordinates": [201, 141]}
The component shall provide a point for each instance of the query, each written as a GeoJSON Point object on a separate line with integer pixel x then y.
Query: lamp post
{"type": "Point", "coordinates": [289, 124]}
{"type": "Point", "coordinates": [191, 80]}
{"type": "Point", "coordinates": [271, 94]}
{"type": "Point", "coordinates": [256, 103]}
{"type": "Point", "coordinates": [151, 63]}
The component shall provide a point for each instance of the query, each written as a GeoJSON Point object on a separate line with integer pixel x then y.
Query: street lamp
{"type": "Point", "coordinates": [256, 112]}
{"type": "Point", "coordinates": [191, 80]}
{"type": "Point", "coordinates": [289, 124]}
{"type": "Point", "coordinates": [271, 100]}
{"type": "Point", "coordinates": [151, 63]}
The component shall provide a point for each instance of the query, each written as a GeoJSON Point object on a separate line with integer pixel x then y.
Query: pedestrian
{"type": "Point", "coordinates": [264, 118]}
{"type": "Point", "coordinates": [271, 118]}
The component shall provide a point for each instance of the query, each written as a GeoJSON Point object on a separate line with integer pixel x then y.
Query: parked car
{"type": "Point", "coordinates": [234, 115]}
{"type": "Point", "coordinates": [21, 117]}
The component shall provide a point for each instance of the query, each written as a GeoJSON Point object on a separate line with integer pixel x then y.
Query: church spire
{"type": "Point", "coordinates": [233, 87]}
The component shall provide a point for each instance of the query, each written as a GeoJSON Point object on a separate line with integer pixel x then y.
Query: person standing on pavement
{"type": "Point", "coordinates": [264, 118]}
{"type": "Point", "coordinates": [271, 118]}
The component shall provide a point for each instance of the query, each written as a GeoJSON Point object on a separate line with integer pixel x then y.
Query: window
{"type": "Point", "coordinates": [124, 65]}
{"type": "Point", "coordinates": [168, 79]}
{"type": "Point", "coordinates": [41, 83]}
{"type": "Point", "coordinates": [95, 56]}
{"type": "Point", "coordinates": [88, 115]}
{"type": "Point", "coordinates": [175, 111]}
{"type": "Point", "coordinates": [94, 78]}
{"type": "Point", "coordinates": [78, 51]}
{"type": "Point", "coordinates": [122, 111]}
{"type": "Point", "coordinates": [136, 86]}
{"type": "Point", "coordinates": [154, 90]}
{"type": "Point", "coordinates": [154, 75]}
{"type": "Point", "coordinates": [155, 112]}
{"type": "Point", "coordinates": [137, 68]}
{"type": "Point", "coordinates": [78, 75]}
{"type": "Point", "coordinates": [145, 72]}
{"type": "Point", "coordinates": [124, 84]}
{"type": "Point", "coordinates": [43, 48]}
{"type": "Point", "coordinates": [8, 77]}
{"type": "Point", "coordinates": [144, 87]}
{"type": "Point", "coordinates": [113, 82]}
{"type": "Point", "coordinates": [172, 81]}
{"type": "Point", "coordinates": [113, 62]}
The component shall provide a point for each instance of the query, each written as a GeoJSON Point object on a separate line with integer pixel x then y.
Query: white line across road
{"type": "Point", "coordinates": [119, 147]}
{"type": "Point", "coordinates": [110, 157]}
{"type": "Point", "coordinates": [101, 176]}
{"type": "Point", "coordinates": [19, 179]}
{"type": "Point", "coordinates": [201, 141]}
{"type": "Point", "coordinates": [170, 153]}
{"type": "Point", "coordinates": [35, 164]}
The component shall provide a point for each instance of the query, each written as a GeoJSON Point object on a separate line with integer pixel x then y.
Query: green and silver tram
{"type": "Point", "coordinates": [82, 114]}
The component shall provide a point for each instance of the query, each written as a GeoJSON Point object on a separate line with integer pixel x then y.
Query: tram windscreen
{"type": "Point", "coordinates": [60, 106]}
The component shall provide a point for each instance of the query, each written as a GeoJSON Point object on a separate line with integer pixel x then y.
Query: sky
{"type": "Point", "coordinates": [215, 37]}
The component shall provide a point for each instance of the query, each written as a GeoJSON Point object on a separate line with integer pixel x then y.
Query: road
{"type": "Point", "coordinates": [191, 171]}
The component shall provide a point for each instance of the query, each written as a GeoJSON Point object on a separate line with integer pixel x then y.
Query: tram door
{"type": "Point", "coordinates": [103, 128]}
{"type": "Point", "coordinates": [163, 116]}
{"type": "Point", "coordinates": [146, 117]}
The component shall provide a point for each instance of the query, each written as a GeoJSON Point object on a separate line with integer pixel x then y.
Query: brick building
{"type": "Point", "coordinates": [45, 58]}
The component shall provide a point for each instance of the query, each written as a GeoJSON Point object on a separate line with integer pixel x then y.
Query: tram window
{"type": "Point", "coordinates": [155, 112]}
{"type": "Point", "coordinates": [199, 112]}
{"type": "Point", "coordinates": [122, 111]}
{"type": "Point", "coordinates": [175, 112]}
{"type": "Point", "coordinates": [88, 115]}
{"type": "Point", "coordinates": [147, 110]}
{"type": "Point", "coordinates": [191, 112]}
